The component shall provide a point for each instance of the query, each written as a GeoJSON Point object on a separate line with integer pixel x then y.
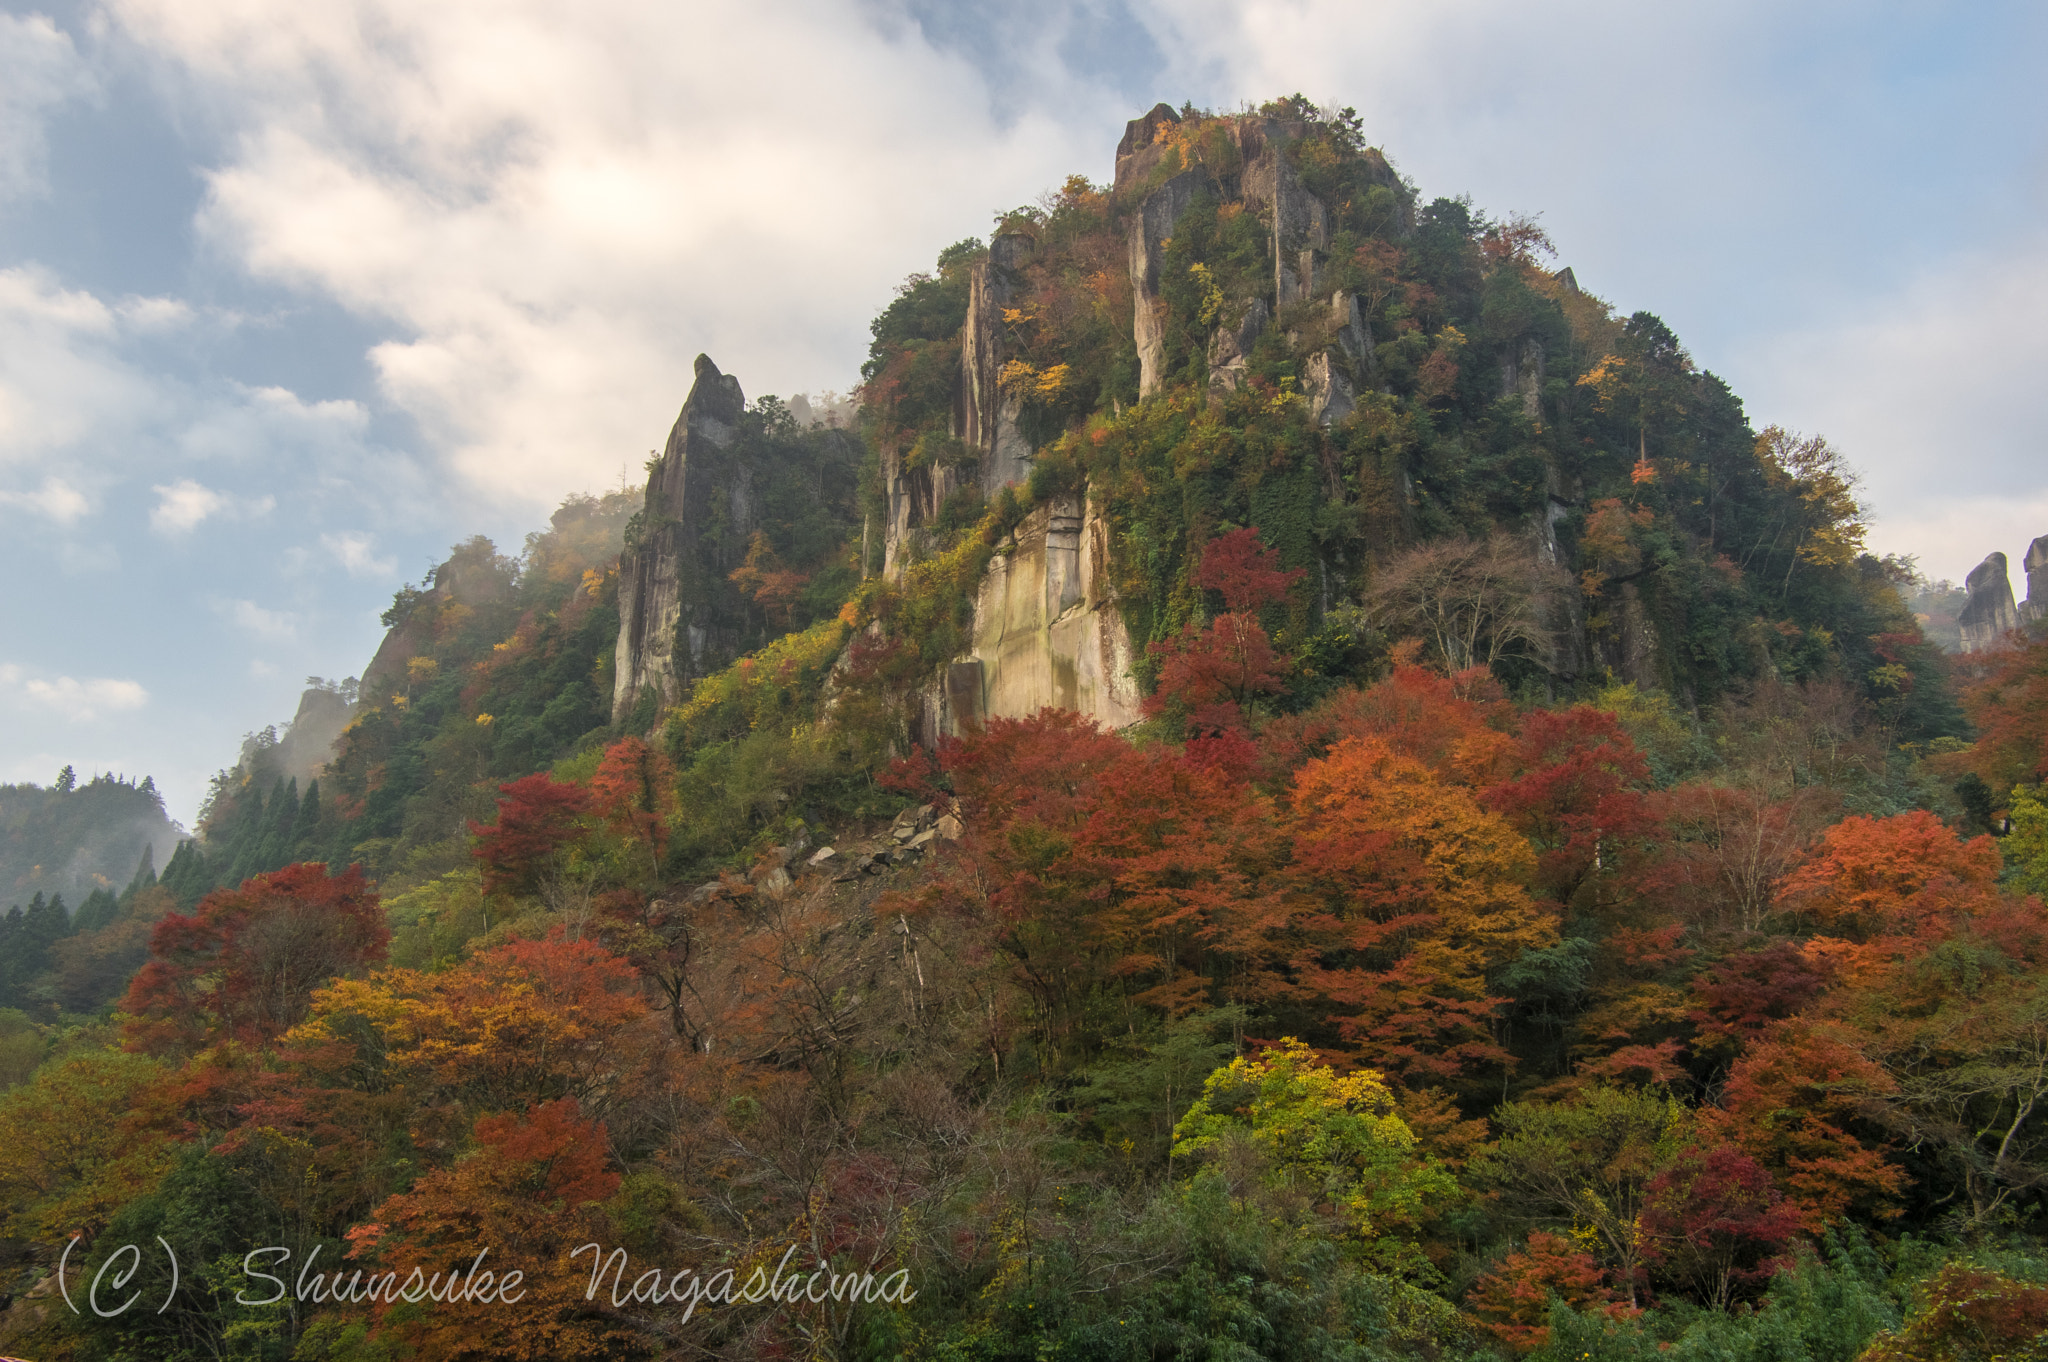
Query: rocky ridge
{"type": "Point", "coordinates": [1047, 628]}
{"type": "Point", "coordinates": [1991, 613]}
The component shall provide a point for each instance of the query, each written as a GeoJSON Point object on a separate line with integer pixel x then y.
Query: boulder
{"type": "Point", "coordinates": [1989, 614]}
{"type": "Point", "coordinates": [2035, 609]}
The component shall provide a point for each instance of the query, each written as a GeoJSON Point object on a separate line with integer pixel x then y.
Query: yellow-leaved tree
{"type": "Point", "coordinates": [1338, 1138]}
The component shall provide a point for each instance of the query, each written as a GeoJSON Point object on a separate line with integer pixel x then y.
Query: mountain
{"type": "Point", "coordinates": [1258, 323]}
{"type": "Point", "coordinates": [69, 839]}
{"type": "Point", "coordinates": [1285, 783]}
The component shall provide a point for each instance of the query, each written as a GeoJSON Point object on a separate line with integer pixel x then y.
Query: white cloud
{"type": "Point", "coordinates": [259, 425]}
{"type": "Point", "coordinates": [72, 698]}
{"type": "Point", "coordinates": [62, 380]}
{"type": "Point", "coordinates": [556, 218]}
{"type": "Point", "coordinates": [355, 552]}
{"type": "Point", "coordinates": [84, 387]}
{"type": "Point", "coordinates": [1933, 389]}
{"type": "Point", "coordinates": [183, 505]}
{"type": "Point", "coordinates": [43, 70]}
{"type": "Point", "coordinates": [56, 499]}
{"type": "Point", "coordinates": [266, 624]}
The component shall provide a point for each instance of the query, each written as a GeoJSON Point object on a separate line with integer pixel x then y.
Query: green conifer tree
{"type": "Point", "coordinates": [99, 910]}
{"type": "Point", "coordinates": [307, 825]}
{"type": "Point", "coordinates": [189, 877]}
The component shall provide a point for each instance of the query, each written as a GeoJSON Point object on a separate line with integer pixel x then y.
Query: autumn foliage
{"type": "Point", "coordinates": [244, 965]}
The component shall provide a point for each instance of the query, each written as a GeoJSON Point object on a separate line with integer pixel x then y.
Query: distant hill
{"type": "Point", "coordinates": [71, 838]}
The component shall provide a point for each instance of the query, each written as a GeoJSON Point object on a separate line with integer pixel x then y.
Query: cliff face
{"type": "Point", "coordinates": [670, 632]}
{"type": "Point", "coordinates": [1256, 177]}
{"type": "Point", "coordinates": [1047, 628]}
{"type": "Point", "coordinates": [1047, 632]}
{"type": "Point", "coordinates": [2034, 610]}
{"type": "Point", "coordinates": [1990, 614]}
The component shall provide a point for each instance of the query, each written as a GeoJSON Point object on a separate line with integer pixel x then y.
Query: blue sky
{"type": "Point", "coordinates": [294, 296]}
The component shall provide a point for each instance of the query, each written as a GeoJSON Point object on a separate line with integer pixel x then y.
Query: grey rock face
{"type": "Point", "coordinates": [2035, 609]}
{"type": "Point", "coordinates": [667, 630]}
{"type": "Point", "coordinates": [1990, 613]}
{"type": "Point", "coordinates": [1151, 226]}
{"type": "Point", "coordinates": [1232, 346]}
{"type": "Point", "coordinates": [986, 419]}
{"type": "Point", "coordinates": [1522, 374]}
{"type": "Point", "coordinates": [1141, 133]}
{"type": "Point", "coordinates": [1331, 397]}
{"type": "Point", "coordinates": [1301, 232]}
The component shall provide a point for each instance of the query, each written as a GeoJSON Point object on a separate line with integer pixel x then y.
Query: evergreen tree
{"type": "Point", "coordinates": [99, 910]}
{"type": "Point", "coordinates": [307, 824]}
{"type": "Point", "coordinates": [188, 876]}
{"type": "Point", "coordinates": [45, 923]}
{"type": "Point", "coordinates": [280, 823]}
{"type": "Point", "coordinates": [145, 875]}
{"type": "Point", "coordinates": [10, 954]}
{"type": "Point", "coordinates": [243, 845]}
{"type": "Point", "coordinates": [67, 780]}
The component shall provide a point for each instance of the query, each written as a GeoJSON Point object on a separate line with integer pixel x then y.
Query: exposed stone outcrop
{"type": "Point", "coordinates": [2035, 609]}
{"type": "Point", "coordinates": [1046, 631]}
{"type": "Point", "coordinates": [1522, 375]}
{"type": "Point", "coordinates": [473, 575]}
{"type": "Point", "coordinates": [995, 453]}
{"type": "Point", "coordinates": [1151, 225]}
{"type": "Point", "coordinates": [669, 632]}
{"type": "Point", "coordinates": [1299, 223]}
{"type": "Point", "coordinates": [986, 418]}
{"type": "Point", "coordinates": [1336, 349]}
{"type": "Point", "coordinates": [1990, 613]}
{"type": "Point", "coordinates": [1231, 346]}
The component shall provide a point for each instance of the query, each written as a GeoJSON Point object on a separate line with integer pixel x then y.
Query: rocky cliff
{"type": "Point", "coordinates": [1990, 614]}
{"type": "Point", "coordinates": [1247, 171]}
{"type": "Point", "coordinates": [1255, 324]}
{"type": "Point", "coordinates": [2034, 610]}
{"type": "Point", "coordinates": [1046, 631]}
{"type": "Point", "coordinates": [670, 630]}
{"type": "Point", "coordinates": [1047, 625]}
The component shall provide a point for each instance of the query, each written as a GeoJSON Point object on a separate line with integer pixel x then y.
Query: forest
{"type": "Point", "coordinates": [1561, 902]}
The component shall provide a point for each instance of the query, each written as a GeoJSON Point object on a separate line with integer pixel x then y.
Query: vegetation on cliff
{"type": "Point", "coordinates": [1553, 907]}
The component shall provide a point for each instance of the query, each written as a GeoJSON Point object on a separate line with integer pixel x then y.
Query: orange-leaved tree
{"type": "Point", "coordinates": [1512, 1300]}
{"type": "Point", "coordinates": [1210, 678]}
{"type": "Point", "coordinates": [1419, 894]}
{"type": "Point", "coordinates": [499, 1227]}
{"type": "Point", "coordinates": [1183, 852]}
{"type": "Point", "coordinates": [634, 791]}
{"type": "Point", "coordinates": [244, 965]}
{"type": "Point", "coordinates": [524, 1022]}
{"type": "Point", "coordinates": [538, 816]}
{"type": "Point", "coordinates": [1904, 876]}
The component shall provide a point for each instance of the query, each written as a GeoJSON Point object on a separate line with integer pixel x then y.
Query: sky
{"type": "Point", "coordinates": [293, 297]}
